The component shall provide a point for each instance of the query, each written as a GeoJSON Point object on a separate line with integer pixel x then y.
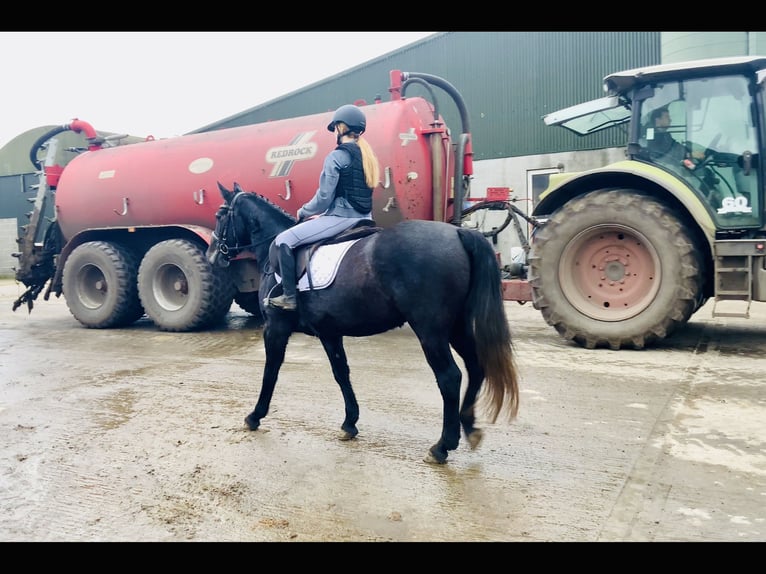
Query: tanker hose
{"type": "Point", "coordinates": [427, 86]}
{"type": "Point", "coordinates": [40, 142]}
{"type": "Point", "coordinates": [461, 182]}
{"type": "Point", "coordinates": [447, 87]}
{"type": "Point", "coordinates": [512, 216]}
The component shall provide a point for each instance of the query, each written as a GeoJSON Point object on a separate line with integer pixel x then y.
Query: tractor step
{"type": "Point", "coordinates": [731, 308]}
{"type": "Point", "coordinates": [733, 277]}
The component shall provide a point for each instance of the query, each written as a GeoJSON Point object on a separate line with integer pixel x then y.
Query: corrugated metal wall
{"type": "Point", "coordinates": [13, 209]}
{"type": "Point", "coordinates": [508, 80]}
{"type": "Point", "coordinates": [514, 78]}
{"type": "Point", "coordinates": [682, 46]}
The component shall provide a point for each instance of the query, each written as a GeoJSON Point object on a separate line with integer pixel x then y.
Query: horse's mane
{"type": "Point", "coordinates": [263, 200]}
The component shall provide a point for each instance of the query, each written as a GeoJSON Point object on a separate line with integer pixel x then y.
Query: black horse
{"type": "Point", "coordinates": [444, 281]}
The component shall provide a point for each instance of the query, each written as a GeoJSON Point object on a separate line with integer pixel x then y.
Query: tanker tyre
{"type": "Point", "coordinates": [99, 285]}
{"type": "Point", "coordinates": [180, 290]}
{"type": "Point", "coordinates": [250, 302]}
{"type": "Point", "coordinates": [615, 268]}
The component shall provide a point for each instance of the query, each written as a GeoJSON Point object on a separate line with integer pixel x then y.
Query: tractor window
{"type": "Point", "coordinates": [703, 131]}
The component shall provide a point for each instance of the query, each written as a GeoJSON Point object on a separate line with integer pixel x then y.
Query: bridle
{"type": "Point", "coordinates": [225, 214]}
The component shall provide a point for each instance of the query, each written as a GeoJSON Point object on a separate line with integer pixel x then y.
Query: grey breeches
{"type": "Point", "coordinates": [315, 229]}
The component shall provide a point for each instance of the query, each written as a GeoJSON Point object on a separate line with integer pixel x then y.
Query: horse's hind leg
{"type": "Point", "coordinates": [465, 345]}
{"type": "Point", "coordinates": [275, 343]}
{"type": "Point", "coordinates": [333, 346]}
{"type": "Point", "coordinates": [448, 376]}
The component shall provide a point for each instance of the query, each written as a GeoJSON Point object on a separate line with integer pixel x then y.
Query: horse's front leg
{"type": "Point", "coordinates": [333, 346]}
{"type": "Point", "coordinates": [275, 342]}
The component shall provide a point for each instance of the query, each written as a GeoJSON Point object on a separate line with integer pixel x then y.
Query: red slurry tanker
{"type": "Point", "coordinates": [131, 223]}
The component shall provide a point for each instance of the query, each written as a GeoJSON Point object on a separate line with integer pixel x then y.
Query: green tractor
{"type": "Point", "coordinates": [627, 253]}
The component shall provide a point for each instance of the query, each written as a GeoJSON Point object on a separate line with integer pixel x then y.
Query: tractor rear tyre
{"type": "Point", "coordinates": [99, 285]}
{"type": "Point", "coordinates": [180, 290]}
{"type": "Point", "coordinates": [615, 268]}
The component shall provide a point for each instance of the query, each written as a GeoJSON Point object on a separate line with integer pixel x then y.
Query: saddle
{"type": "Point", "coordinates": [304, 253]}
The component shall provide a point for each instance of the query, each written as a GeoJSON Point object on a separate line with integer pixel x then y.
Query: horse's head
{"type": "Point", "coordinates": [245, 222]}
{"type": "Point", "coordinates": [224, 242]}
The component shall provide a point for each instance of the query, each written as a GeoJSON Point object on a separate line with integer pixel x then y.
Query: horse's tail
{"type": "Point", "coordinates": [486, 313]}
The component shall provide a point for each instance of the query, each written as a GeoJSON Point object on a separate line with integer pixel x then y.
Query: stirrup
{"type": "Point", "coordinates": [282, 302]}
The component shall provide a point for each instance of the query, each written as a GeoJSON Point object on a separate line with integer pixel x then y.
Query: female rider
{"type": "Point", "coordinates": [344, 197]}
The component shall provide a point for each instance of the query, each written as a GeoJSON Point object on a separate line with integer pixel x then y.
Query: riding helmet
{"type": "Point", "coordinates": [350, 115]}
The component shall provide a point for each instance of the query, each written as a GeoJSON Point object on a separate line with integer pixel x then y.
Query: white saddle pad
{"type": "Point", "coordinates": [323, 266]}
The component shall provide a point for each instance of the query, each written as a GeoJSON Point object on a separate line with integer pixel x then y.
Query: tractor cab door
{"type": "Point", "coordinates": [705, 131]}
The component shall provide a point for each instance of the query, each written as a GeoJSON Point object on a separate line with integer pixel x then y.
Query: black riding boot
{"type": "Point", "coordinates": [287, 300]}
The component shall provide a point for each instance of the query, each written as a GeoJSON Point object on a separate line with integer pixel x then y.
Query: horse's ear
{"type": "Point", "coordinates": [225, 193]}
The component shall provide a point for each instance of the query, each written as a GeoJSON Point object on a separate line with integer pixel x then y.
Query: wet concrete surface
{"type": "Point", "coordinates": [138, 435]}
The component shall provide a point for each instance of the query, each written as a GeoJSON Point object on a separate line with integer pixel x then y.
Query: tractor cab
{"type": "Point", "coordinates": [700, 122]}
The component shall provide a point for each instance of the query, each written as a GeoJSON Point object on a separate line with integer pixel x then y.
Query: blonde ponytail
{"type": "Point", "coordinates": [370, 163]}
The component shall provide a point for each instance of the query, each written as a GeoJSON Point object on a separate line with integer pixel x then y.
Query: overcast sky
{"type": "Point", "coordinates": [166, 84]}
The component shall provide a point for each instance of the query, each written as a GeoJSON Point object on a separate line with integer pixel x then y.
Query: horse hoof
{"type": "Point", "coordinates": [431, 458]}
{"type": "Point", "coordinates": [475, 438]}
{"type": "Point", "coordinates": [251, 423]}
{"type": "Point", "coordinates": [348, 435]}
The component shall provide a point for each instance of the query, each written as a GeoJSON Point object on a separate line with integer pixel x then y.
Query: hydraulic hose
{"type": "Point", "coordinates": [464, 154]}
